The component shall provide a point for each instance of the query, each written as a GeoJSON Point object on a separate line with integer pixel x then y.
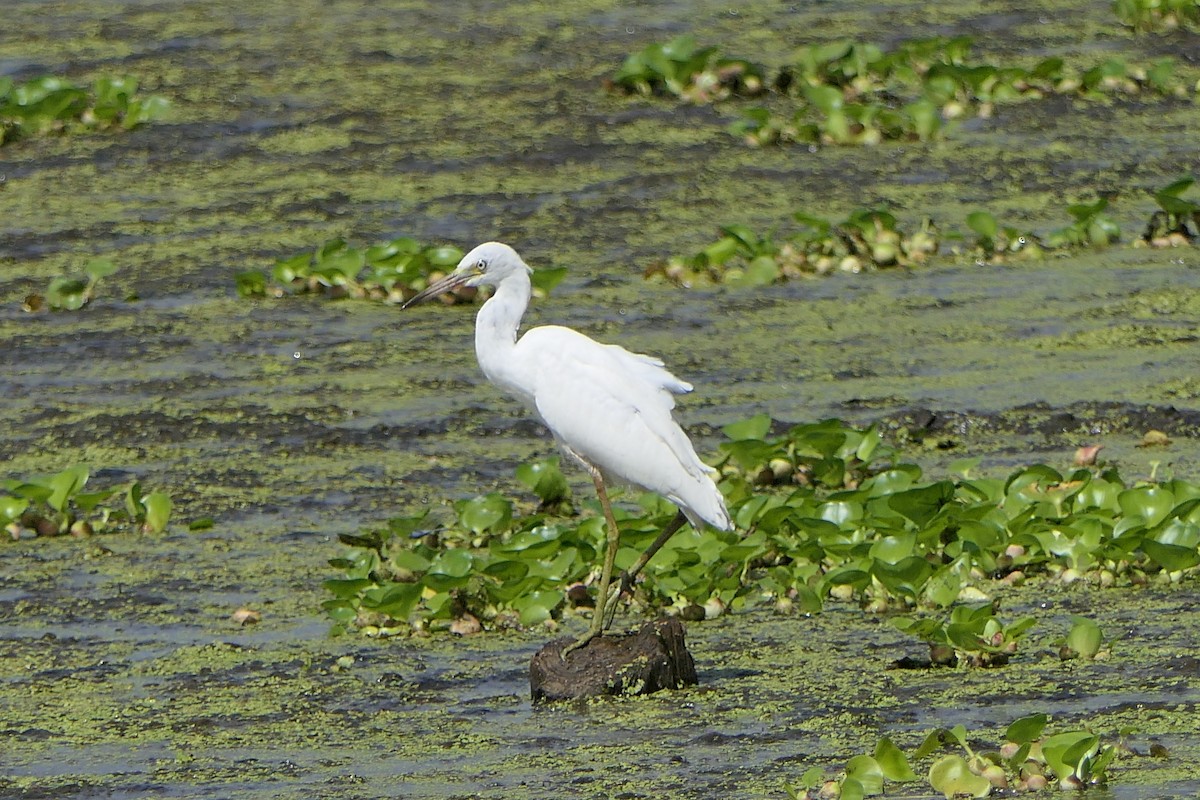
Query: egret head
{"type": "Point", "coordinates": [486, 265]}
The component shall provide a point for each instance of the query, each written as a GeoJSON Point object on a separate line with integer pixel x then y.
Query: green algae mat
{"type": "Point", "coordinates": [856, 249]}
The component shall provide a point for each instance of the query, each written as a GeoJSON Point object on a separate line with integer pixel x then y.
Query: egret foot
{"type": "Point", "coordinates": [582, 641]}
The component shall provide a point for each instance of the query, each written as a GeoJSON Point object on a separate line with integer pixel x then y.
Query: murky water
{"type": "Point", "coordinates": [291, 421]}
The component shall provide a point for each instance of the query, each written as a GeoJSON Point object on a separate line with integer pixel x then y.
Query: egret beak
{"type": "Point", "coordinates": [446, 284]}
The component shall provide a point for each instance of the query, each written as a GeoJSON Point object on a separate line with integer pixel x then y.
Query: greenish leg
{"type": "Point", "coordinates": [605, 600]}
{"type": "Point", "coordinates": [627, 578]}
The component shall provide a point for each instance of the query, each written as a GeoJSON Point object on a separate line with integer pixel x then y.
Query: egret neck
{"type": "Point", "coordinates": [496, 337]}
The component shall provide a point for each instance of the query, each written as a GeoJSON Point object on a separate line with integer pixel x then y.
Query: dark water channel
{"type": "Point", "coordinates": [290, 421]}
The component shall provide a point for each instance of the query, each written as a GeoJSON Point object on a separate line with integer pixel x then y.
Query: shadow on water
{"type": "Point", "coordinates": [291, 421]}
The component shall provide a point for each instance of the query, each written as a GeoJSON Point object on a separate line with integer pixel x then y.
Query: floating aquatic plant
{"type": "Point", "coordinates": [1025, 762]}
{"type": "Point", "coordinates": [824, 512]}
{"type": "Point", "coordinates": [857, 93]}
{"type": "Point", "coordinates": [873, 238]}
{"type": "Point", "coordinates": [972, 636]}
{"type": "Point", "coordinates": [54, 505]}
{"type": "Point", "coordinates": [995, 243]}
{"type": "Point", "coordinates": [1157, 15]}
{"type": "Point", "coordinates": [1177, 222]}
{"type": "Point", "coordinates": [391, 271]}
{"type": "Point", "coordinates": [52, 104]}
{"type": "Point", "coordinates": [1091, 227]}
{"type": "Point", "coordinates": [72, 292]}
{"type": "Point", "coordinates": [866, 239]}
{"type": "Point", "coordinates": [682, 69]}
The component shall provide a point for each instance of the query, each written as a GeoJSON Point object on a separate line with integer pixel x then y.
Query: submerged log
{"type": "Point", "coordinates": [654, 658]}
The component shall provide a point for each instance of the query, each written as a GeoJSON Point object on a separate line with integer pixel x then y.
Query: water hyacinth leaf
{"type": "Point", "coordinates": [755, 427]}
{"type": "Point", "coordinates": [409, 560]}
{"type": "Point", "coordinates": [158, 511]}
{"type": "Point", "coordinates": [942, 588]}
{"type": "Point", "coordinates": [921, 504]}
{"type": "Point", "coordinates": [545, 479]}
{"type": "Point", "coordinates": [145, 110]}
{"type": "Point", "coordinates": [749, 453]}
{"type": "Point", "coordinates": [1171, 556]}
{"type": "Point", "coordinates": [905, 577]}
{"type": "Point", "coordinates": [866, 770]}
{"type": "Point", "coordinates": [507, 571]}
{"type": "Point", "coordinates": [933, 740]}
{"type": "Point", "coordinates": [1151, 503]}
{"type": "Point", "coordinates": [1064, 751]}
{"type": "Point", "coordinates": [546, 279]}
{"type": "Point", "coordinates": [1026, 729]}
{"type": "Point", "coordinates": [893, 549]}
{"type": "Point", "coordinates": [347, 588]}
{"type": "Point", "coordinates": [892, 762]}
{"type": "Point", "coordinates": [455, 563]}
{"type": "Point", "coordinates": [541, 541]}
{"type": "Point", "coordinates": [487, 513]}
{"type": "Point", "coordinates": [761, 271]}
{"type": "Point", "coordinates": [840, 512]}
{"type": "Point", "coordinates": [1168, 198]}
{"type": "Point", "coordinates": [848, 576]}
{"type": "Point", "coordinates": [851, 789]}
{"type": "Point", "coordinates": [251, 283]}
{"type": "Point", "coordinates": [1084, 638]}
{"type": "Point", "coordinates": [88, 501]}
{"type": "Point", "coordinates": [12, 508]}
{"type": "Point", "coordinates": [67, 294]}
{"type": "Point", "coordinates": [445, 256]}
{"type": "Point", "coordinates": [872, 438]}
{"type": "Point", "coordinates": [951, 776]}
{"type": "Point", "coordinates": [99, 268]}
{"type": "Point", "coordinates": [397, 601]}
{"type": "Point", "coordinates": [537, 606]}
{"type": "Point", "coordinates": [65, 484]}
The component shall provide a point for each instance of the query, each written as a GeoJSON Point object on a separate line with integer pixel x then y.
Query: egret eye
{"type": "Point", "coordinates": [481, 266]}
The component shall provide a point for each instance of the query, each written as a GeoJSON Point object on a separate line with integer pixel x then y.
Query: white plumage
{"type": "Point", "coordinates": [608, 408]}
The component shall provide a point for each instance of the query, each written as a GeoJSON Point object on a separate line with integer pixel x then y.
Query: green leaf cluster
{"type": "Point", "coordinates": [1025, 762]}
{"type": "Point", "coordinates": [53, 505]}
{"type": "Point", "coordinates": [680, 68]}
{"type": "Point", "coordinates": [52, 104]}
{"type": "Point", "coordinates": [973, 635]}
{"type": "Point", "coordinates": [392, 271]}
{"type": "Point", "coordinates": [869, 238]}
{"type": "Point", "coordinates": [72, 292]}
{"type": "Point", "coordinates": [1169, 226]}
{"type": "Point", "coordinates": [823, 512]}
{"type": "Point", "coordinates": [872, 238]}
{"type": "Point", "coordinates": [856, 93]}
{"type": "Point", "coordinates": [1158, 15]}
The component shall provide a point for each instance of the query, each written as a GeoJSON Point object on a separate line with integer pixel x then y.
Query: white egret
{"type": "Point", "coordinates": [609, 409]}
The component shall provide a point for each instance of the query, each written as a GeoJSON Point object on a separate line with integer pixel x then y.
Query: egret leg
{"type": "Point", "coordinates": [628, 577]}
{"type": "Point", "coordinates": [603, 599]}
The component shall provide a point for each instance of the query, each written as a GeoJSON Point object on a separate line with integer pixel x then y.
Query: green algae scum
{"type": "Point", "coordinates": [277, 424]}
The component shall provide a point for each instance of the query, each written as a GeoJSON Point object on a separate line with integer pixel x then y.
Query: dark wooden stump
{"type": "Point", "coordinates": [656, 657]}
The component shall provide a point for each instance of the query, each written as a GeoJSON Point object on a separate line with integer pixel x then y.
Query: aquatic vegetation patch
{"type": "Point", "coordinates": [1157, 15]}
{"type": "Point", "coordinates": [824, 513]}
{"type": "Point", "coordinates": [1177, 222]}
{"type": "Point", "coordinates": [873, 238]}
{"type": "Point", "coordinates": [392, 271]}
{"type": "Point", "coordinates": [973, 635]}
{"type": "Point", "coordinates": [55, 505]}
{"type": "Point", "coordinates": [680, 68]}
{"type": "Point", "coordinates": [857, 93]}
{"type": "Point", "coordinates": [51, 105]}
{"type": "Point", "coordinates": [1026, 761]}
{"type": "Point", "coordinates": [71, 292]}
